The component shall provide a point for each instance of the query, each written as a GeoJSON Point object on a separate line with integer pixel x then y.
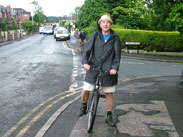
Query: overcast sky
{"type": "Point", "coordinates": [50, 7]}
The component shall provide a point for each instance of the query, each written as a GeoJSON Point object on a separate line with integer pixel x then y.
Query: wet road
{"type": "Point", "coordinates": [38, 75]}
{"type": "Point", "coordinates": [33, 74]}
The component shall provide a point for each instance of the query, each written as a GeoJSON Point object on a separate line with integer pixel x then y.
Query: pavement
{"type": "Point", "coordinates": [11, 41]}
{"type": "Point", "coordinates": [144, 106]}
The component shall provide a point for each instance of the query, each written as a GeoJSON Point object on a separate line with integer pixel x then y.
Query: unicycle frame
{"type": "Point", "coordinates": [93, 101]}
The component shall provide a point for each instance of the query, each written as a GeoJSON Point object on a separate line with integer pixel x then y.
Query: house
{"type": "Point", "coordinates": [67, 19]}
{"type": "Point", "coordinates": [7, 13]}
{"type": "Point", "coordinates": [22, 15]}
{"type": "Point", "coordinates": [2, 14]}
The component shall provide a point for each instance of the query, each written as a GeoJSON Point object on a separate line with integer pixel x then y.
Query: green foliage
{"type": "Point", "coordinates": [39, 16]}
{"type": "Point", "coordinates": [176, 17]}
{"type": "Point", "coordinates": [13, 25]}
{"type": "Point", "coordinates": [91, 29]}
{"type": "Point", "coordinates": [3, 27]}
{"type": "Point", "coordinates": [90, 11]}
{"type": "Point", "coordinates": [164, 15]}
{"type": "Point", "coordinates": [69, 26]}
{"type": "Point", "coordinates": [28, 26]}
{"type": "Point", "coordinates": [63, 24]}
{"type": "Point", "coordinates": [119, 15]}
{"type": "Point", "coordinates": [53, 19]}
{"type": "Point", "coordinates": [167, 15]}
{"type": "Point", "coordinates": [127, 13]}
{"type": "Point", "coordinates": [152, 40]}
{"type": "Point", "coordinates": [36, 18]}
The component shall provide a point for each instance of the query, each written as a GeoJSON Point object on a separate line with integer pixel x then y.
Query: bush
{"type": "Point", "coordinates": [89, 30]}
{"type": "Point", "coordinates": [27, 25]}
{"type": "Point", "coordinates": [153, 40]}
{"type": "Point", "coordinates": [150, 40]}
{"type": "Point", "coordinates": [3, 27]}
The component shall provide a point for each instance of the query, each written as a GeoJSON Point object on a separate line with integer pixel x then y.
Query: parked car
{"type": "Point", "coordinates": [62, 34]}
{"type": "Point", "coordinates": [41, 29]}
{"type": "Point", "coordinates": [55, 30]}
{"type": "Point", "coordinates": [22, 31]}
{"type": "Point", "coordinates": [48, 30]}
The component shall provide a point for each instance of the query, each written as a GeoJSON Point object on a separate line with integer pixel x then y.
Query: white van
{"type": "Point", "coordinates": [48, 30]}
{"type": "Point", "coordinates": [41, 29]}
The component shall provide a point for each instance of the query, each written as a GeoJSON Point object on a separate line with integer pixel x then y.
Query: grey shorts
{"type": "Point", "coordinates": [89, 87]}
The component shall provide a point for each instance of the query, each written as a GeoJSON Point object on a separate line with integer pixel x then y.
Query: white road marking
{"type": "Point", "coordinates": [138, 63]}
{"type": "Point", "coordinates": [77, 70]}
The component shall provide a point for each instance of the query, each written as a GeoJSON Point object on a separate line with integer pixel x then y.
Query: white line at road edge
{"type": "Point", "coordinates": [48, 124]}
{"type": "Point", "coordinates": [138, 63]}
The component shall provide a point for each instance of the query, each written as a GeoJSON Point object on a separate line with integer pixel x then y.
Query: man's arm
{"type": "Point", "coordinates": [117, 54]}
{"type": "Point", "coordinates": [88, 48]}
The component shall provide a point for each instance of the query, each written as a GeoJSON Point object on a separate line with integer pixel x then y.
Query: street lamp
{"type": "Point", "coordinates": [20, 29]}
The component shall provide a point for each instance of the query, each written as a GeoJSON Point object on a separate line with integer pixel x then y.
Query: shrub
{"type": "Point", "coordinates": [27, 25]}
{"type": "Point", "coordinates": [3, 27]}
{"type": "Point", "coordinates": [150, 40]}
{"type": "Point", "coordinates": [153, 40]}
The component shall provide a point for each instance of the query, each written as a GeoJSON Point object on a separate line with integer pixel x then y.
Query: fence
{"type": "Point", "coordinates": [11, 35]}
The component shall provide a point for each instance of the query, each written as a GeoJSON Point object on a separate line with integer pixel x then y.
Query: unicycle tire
{"type": "Point", "coordinates": [92, 110]}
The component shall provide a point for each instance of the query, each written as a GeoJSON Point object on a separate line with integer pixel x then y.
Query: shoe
{"type": "Point", "coordinates": [110, 121]}
{"type": "Point", "coordinates": [82, 110]}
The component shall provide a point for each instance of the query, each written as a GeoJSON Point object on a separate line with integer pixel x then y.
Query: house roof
{"type": "Point", "coordinates": [2, 9]}
{"type": "Point", "coordinates": [21, 11]}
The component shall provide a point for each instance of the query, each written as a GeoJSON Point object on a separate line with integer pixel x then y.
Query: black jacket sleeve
{"type": "Point", "coordinates": [87, 51]}
{"type": "Point", "coordinates": [117, 53]}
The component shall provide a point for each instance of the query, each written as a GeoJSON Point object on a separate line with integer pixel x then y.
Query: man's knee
{"type": "Point", "coordinates": [84, 93]}
{"type": "Point", "coordinates": [109, 95]}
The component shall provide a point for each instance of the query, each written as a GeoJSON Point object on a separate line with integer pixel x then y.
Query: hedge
{"type": "Point", "coordinates": [150, 40]}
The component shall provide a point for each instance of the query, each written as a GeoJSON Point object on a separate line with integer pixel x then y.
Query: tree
{"type": "Point", "coordinates": [76, 13]}
{"type": "Point", "coordinates": [119, 15]}
{"type": "Point", "coordinates": [39, 16]}
{"type": "Point", "coordinates": [90, 11]}
{"type": "Point", "coordinates": [27, 25]}
{"type": "Point", "coordinates": [176, 17]}
{"type": "Point", "coordinates": [134, 14]}
{"type": "Point", "coordinates": [128, 13]}
{"type": "Point", "coordinates": [162, 9]}
{"type": "Point", "coordinates": [138, 14]}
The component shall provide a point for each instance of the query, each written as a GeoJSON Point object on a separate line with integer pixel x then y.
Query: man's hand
{"type": "Point", "coordinates": [113, 72]}
{"type": "Point", "coordinates": [86, 67]}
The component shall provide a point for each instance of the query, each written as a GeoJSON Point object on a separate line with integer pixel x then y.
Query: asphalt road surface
{"type": "Point", "coordinates": [39, 75]}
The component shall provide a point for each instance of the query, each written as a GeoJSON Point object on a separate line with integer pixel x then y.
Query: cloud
{"type": "Point", "coordinates": [50, 7]}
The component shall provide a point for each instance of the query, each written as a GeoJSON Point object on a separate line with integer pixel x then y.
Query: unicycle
{"type": "Point", "coordinates": [93, 100]}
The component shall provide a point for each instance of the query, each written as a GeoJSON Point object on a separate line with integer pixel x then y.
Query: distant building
{"type": "Point", "coordinates": [2, 14]}
{"type": "Point", "coordinates": [67, 19]}
{"type": "Point", "coordinates": [20, 15]}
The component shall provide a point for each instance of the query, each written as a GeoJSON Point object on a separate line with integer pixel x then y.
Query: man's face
{"type": "Point", "coordinates": [105, 25]}
{"type": "Point", "coordinates": [82, 31]}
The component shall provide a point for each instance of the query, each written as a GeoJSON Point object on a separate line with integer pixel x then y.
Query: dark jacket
{"type": "Point", "coordinates": [102, 55]}
{"type": "Point", "coordinates": [82, 36]}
